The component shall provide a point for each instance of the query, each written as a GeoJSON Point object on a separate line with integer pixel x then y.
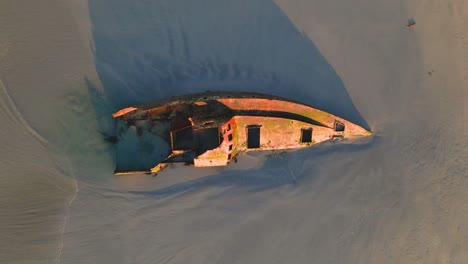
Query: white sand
{"type": "Point", "coordinates": [399, 197]}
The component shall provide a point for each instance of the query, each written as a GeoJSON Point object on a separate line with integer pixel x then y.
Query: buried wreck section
{"type": "Point", "coordinates": [198, 133]}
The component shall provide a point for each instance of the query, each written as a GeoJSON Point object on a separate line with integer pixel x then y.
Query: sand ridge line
{"type": "Point", "coordinates": [65, 221]}
{"type": "Point", "coordinates": [16, 117]}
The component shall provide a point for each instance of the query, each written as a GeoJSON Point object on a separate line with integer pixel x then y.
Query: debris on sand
{"type": "Point", "coordinates": [411, 23]}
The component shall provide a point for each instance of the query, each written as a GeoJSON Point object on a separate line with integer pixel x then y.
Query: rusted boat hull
{"type": "Point", "coordinates": [210, 129]}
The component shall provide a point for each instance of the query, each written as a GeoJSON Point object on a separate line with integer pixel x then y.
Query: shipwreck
{"type": "Point", "coordinates": [212, 128]}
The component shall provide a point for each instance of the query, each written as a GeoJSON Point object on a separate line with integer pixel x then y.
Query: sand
{"type": "Point", "coordinates": [400, 196]}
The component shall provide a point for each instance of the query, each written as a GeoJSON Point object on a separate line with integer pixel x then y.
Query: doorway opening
{"type": "Point", "coordinates": [253, 136]}
{"type": "Point", "coordinates": [306, 135]}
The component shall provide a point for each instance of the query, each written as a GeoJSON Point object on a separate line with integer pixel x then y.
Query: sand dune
{"type": "Point", "coordinates": [398, 197]}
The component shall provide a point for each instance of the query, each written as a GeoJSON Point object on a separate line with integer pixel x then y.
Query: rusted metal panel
{"type": "Point", "coordinates": [269, 105]}
{"type": "Point", "coordinates": [123, 111]}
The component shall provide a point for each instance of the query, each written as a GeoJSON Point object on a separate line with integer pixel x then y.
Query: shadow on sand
{"type": "Point", "coordinates": [271, 174]}
{"type": "Point", "coordinates": [149, 50]}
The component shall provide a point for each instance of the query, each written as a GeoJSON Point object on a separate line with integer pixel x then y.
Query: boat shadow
{"type": "Point", "coordinates": [150, 50]}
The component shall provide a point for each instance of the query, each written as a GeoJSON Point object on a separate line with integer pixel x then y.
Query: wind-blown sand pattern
{"type": "Point", "coordinates": [400, 196]}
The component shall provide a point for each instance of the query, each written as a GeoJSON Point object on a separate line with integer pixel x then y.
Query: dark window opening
{"type": "Point", "coordinates": [306, 135]}
{"type": "Point", "coordinates": [207, 139]}
{"type": "Point", "coordinates": [229, 156]}
{"type": "Point", "coordinates": [230, 137]}
{"type": "Point", "coordinates": [253, 136]}
{"type": "Point", "coordinates": [229, 127]}
{"type": "Point", "coordinates": [230, 147]}
{"type": "Point", "coordinates": [182, 139]}
{"type": "Point", "coordinates": [339, 126]}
